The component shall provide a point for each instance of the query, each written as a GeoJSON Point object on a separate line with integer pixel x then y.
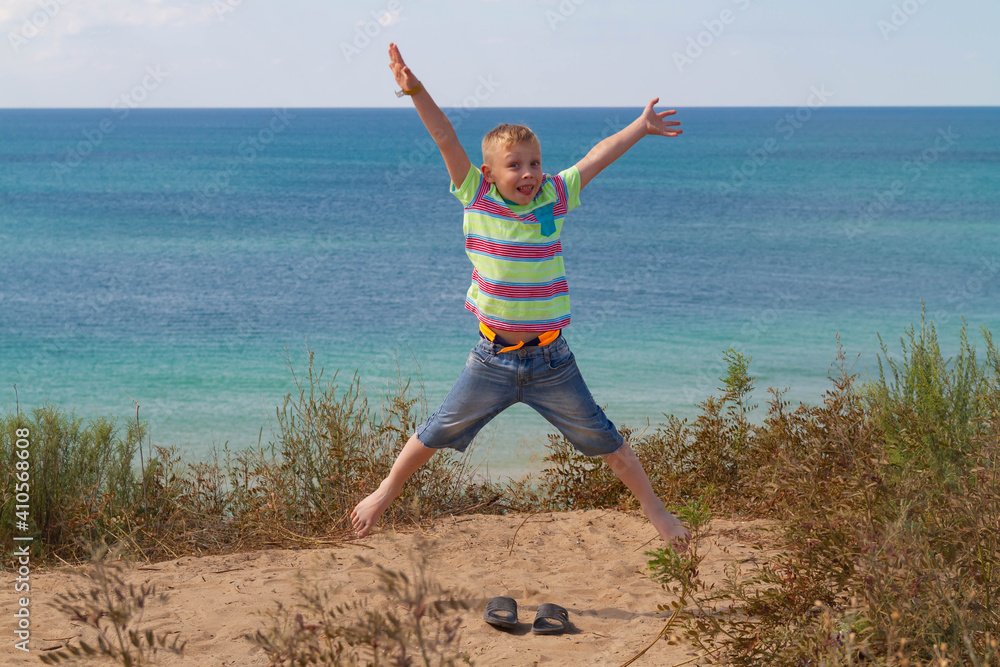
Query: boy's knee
{"type": "Point", "coordinates": [623, 456]}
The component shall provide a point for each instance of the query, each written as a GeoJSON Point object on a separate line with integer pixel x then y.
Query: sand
{"type": "Point", "coordinates": [590, 562]}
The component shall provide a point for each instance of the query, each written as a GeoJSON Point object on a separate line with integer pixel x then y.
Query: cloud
{"type": "Point", "coordinates": [389, 18]}
{"type": "Point", "coordinates": [385, 18]}
{"type": "Point", "coordinates": [75, 17]}
{"type": "Point", "coordinates": [72, 32]}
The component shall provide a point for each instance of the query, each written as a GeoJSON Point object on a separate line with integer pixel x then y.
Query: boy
{"type": "Point", "coordinates": [513, 218]}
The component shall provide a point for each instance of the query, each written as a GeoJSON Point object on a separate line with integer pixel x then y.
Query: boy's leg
{"type": "Point", "coordinates": [626, 465]}
{"type": "Point", "coordinates": [559, 393]}
{"type": "Point", "coordinates": [486, 387]}
{"type": "Point", "coordinates": [367, 512]}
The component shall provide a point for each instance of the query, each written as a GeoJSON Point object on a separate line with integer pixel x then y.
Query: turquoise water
{"type": "Point", "coordinates": [184, 257]}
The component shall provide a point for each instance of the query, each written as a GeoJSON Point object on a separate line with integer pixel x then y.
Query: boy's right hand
{"type": "Point", "coordinates": [405, 79]}
{"type": "Point", "coordinates": [434, 119]}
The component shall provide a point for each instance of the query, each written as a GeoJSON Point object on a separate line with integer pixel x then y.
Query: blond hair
{"type": "Point", "coordinates": [504, 136]}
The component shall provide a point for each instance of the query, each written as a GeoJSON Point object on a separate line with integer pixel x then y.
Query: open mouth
{"type": "Point", "coordinates": [526, 190]}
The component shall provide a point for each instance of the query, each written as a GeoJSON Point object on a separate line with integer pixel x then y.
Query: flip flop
{"type": "Point", "coordinates": [501, 612]}
{"type": "Point", "coordinates": [550, 619]}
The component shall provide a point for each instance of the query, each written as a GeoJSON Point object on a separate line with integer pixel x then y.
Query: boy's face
{"type": "Point", "coordinates": [516, 171]}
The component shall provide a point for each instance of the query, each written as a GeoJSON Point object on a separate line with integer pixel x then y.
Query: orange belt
{"type": "Point", "coordinates": [542, 339]}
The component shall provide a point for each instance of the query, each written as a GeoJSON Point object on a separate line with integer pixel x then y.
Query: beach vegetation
{"type": "Point", "coordinates": [412, 620]}
{"type": "Point", "coordinates": [888, 551]}
{"type": "Point", "coordinates": [330, 449]}
{"type": "Point", "coordinates": [883, 499]}
{"type": "Point", "coordinates": [81, 480]}
{"type": "Point", "coordinates": [111, 610]}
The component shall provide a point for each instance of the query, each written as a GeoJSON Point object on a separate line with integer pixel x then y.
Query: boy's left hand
{"type": "Point", "coordinates": [613, 147]}
{"type": "Point", "coordinates": [655, 123]}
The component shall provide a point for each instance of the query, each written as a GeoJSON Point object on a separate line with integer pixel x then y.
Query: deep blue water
{"type": "Point", "coordinates": [177, 254]}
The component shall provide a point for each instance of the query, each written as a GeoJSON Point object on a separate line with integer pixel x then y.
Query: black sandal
{"type": "Point", "coordinates": [501, 612]}
{"type": "Point", "coordinates": [551, 619]}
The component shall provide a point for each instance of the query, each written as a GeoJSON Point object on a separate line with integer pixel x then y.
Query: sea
{"type": "Point", "coordinates": [192, 261]}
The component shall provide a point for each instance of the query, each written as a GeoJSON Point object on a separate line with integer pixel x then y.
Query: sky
{"type": "Point", "coordinates": [498, 53]}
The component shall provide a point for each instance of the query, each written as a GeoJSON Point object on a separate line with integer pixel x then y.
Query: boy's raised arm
{"type": "Point", "coordinates": [437, 123]}
{"type": "Point", "coordinates": [612, 148]}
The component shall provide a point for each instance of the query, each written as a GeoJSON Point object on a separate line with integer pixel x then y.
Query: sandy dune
{"type": "Point", "coordinates": [589, 562]}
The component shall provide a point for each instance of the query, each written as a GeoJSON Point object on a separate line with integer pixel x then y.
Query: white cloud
{"type": "Point", "coordinates": [389, 18]}
{"type": "Point", "coordinates": [384, 17]}
{"type": "Point", "coordinates": [74, 17]}
{"type": "Point", "coordinates": [61, 35]}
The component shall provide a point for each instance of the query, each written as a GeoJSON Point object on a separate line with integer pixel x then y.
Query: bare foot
{"type": "Point", "coordinates": [366, 514]}
{"type": "Point", "coordinates": [670, 529]}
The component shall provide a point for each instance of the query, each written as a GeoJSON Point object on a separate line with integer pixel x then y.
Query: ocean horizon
{"type": "Point", "coordinates": [190, 258]}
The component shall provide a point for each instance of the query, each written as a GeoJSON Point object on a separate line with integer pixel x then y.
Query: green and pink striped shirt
{"type": "Point", "coordinates": [518, 279]}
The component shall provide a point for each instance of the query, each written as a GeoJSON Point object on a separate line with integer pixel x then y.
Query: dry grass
{"type": "Point", "coordinates": [420, 626]}
{"type": "Point", "coordinates": [330, 450]}
{"type": "Point", "coordinates": [112, 611]}
{"type": "Point", "coordinates": [887, 492]}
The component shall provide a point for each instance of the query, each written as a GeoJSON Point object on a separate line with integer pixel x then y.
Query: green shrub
{"type": "Point", "coordinates": [890, 552]}
{"type": "Point", "coordinates": [931, 410]}
{"type": "Point", "coordinates": [81, 480]}
{"type": "Point", "coordinates": [886, 494]}
{"type": "Point", "coordinates": [718, 458]}
{"type": "Point", "coordinates": [332, 450]}
{"type": "Point", "coordinates": [88, 483]}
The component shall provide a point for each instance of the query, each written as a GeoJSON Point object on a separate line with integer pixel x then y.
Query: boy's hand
{"type": "Point", "coordinates": [655, 123]}
{"type": "Point", "coordinates": [612, 148]}
{"type": "Point", "coordinates": [434, 119]}
{"type": "Point", "coordinates": [405, 79]}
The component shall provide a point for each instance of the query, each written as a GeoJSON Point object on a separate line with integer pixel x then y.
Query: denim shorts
{"type": "Point", "coordinates": [546, 378]}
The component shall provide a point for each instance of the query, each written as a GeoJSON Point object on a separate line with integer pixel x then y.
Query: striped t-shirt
{"type": "Point", "coordinates": [518, 279]}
